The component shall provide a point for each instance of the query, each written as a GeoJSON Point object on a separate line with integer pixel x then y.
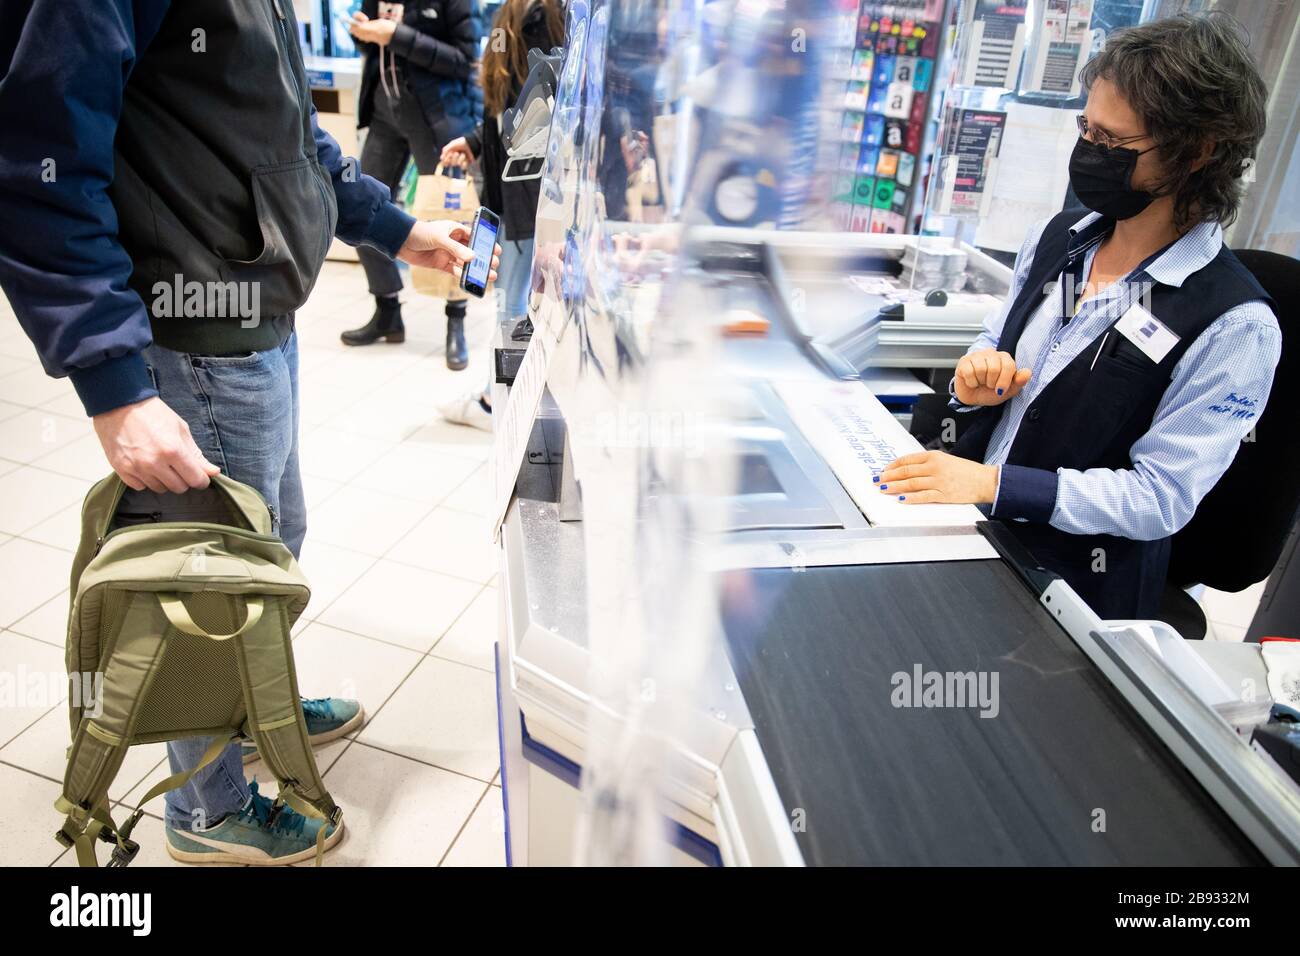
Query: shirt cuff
{"type": "Point", "coordinates": [112, 383]}
{"type": "Point", "coordinates": [953, 403]}
{"type": "Point", "coordinates": [389, 228]}
{"type": "Point", "coordinates": [1028, 493]}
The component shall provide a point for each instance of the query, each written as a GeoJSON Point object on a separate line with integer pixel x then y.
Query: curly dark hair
{"type": "Point", "coordinates": [1192, 79]}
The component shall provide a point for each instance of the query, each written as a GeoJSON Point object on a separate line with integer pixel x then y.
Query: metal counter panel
{"type": "Point", "coordinates": [814, 653]}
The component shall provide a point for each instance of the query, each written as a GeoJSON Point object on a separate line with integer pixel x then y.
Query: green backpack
{"type": "Point", "coordinates": [181, 629]}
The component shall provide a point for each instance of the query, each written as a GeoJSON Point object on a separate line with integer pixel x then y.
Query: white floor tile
{"type": "Point", "coordinates": [65, 404]}
{"type": "Point", "coordinates": [334, 663]}
{"type": "Point", "coordinates": [330, 571]}
{"type": "Point", "coordinates": [9, 410]}
{"type": "Point", "coordinates": [30, 574]}
{"type": "Point", "coordinates": [61, 530]}
{"type": "Point", "coordinates": [319, 402]}
{"type": "Point", "coordinates": [32, 387]}
{"type": "Point", "coordinates": [472, 638]}
{"type": "Point", "coordinates": [48, 623]}
{"type": "Point", "coordinates": [450, 542]}
{"type": "Point", "coordinates": [41, 749]}
{"type": "Point", "coordinates": [454, 440]}
{"type": "Point", "coordinates": [315, 490]}
{"type": "Point", "coordinates": [417, 472]}
{"type": "Point", "coordinates": [383, 417]}
{"type": "Point", "coordinates": [81, 458]}
{"type": "Point", "coordinates": [400, 604]}
{"type": "Point", "coordinates": [338, 455]}
{"type": "Point", "coordinates": [397, 812]}
{"type": "Point", "coordinates": [36, 433]}
{"type": "Point", "coordinates": [473, 495]}
{"type": "Point", "coordinates": [28, 818]}
{"type": "Point", "coordinates": [29, 495]}
{"type": "Point", "coordinates": [483, 841]}
{"type": "Point", "coordinates": [326, 756]}
{"type": "Point", "coordinates": [10, 364]}
{"type": "Point", "coordinates": [444, 714]}
{"type": "Point", "coordinates": [33, 681]}
{"type": "Point", "coordinates": [362, 520]}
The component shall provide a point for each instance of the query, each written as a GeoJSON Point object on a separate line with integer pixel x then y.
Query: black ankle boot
{"type": "Point", "coordinates": [457, 352]}
{"type": "Point", "coordinates": [385, 324]}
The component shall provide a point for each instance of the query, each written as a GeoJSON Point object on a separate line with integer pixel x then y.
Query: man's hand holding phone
{"type": "Point", "coordinates": [442, 244]}
{"type": "Point", "coordinates": [478, 273]}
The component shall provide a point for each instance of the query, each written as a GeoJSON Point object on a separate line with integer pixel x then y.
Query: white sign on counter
{"type": "Point", "coordinates": [857, 437]}
{"type": "Point", "coordinates": [514, 423]}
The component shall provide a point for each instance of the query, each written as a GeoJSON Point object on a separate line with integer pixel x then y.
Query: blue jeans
{"type": "Point", "coordinates": [243, 413]}
{"type": "Point", "coordinates": [513, 274]}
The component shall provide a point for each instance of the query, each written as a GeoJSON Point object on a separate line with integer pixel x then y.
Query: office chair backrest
{"type": "Point", "coordinates": [1237, 533]}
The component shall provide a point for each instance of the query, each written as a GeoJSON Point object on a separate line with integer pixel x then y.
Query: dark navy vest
{"type": "Point", "coordinates": [1090, 415]}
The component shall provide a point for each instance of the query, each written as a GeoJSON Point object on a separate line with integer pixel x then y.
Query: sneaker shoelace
{"type": "Point", "coordinates": [264, 812]}
{"type": "Point", "coordinates": [317, 707]}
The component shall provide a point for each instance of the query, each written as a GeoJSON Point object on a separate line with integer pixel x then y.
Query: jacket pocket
{"type": "Point", "coordinates": [296, 220]}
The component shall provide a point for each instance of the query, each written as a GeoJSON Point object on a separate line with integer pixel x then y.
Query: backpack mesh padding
{"type": "Point", "coordinates": [198, 684]}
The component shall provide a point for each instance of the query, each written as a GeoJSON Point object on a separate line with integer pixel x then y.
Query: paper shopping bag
{"type": "Point", "coordinates": [443, 196]}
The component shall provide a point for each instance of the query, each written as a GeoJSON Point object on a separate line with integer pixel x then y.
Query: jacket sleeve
{"type": "Point", "coordinates": [62, 266]}
{"type": "Point", "coordinates": [474, 140]}
{"type": "Point", "coordinates": [453, 57]}
{"type": "Point", "coordinates": [367, 213]}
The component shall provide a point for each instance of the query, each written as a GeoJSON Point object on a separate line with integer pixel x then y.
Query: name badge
{"type": "Point", "coordinates": [1148, 333]}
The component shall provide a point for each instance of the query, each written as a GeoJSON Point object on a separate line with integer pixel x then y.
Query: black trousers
{"type": "Point", "coordinates": [397, 132]}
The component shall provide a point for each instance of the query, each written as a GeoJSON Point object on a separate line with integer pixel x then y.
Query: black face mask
{"type": "Point", "coordinates": [1102, 177]}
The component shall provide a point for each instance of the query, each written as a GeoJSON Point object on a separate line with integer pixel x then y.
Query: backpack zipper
{"type": "Point", "coordinates": [194, 525]}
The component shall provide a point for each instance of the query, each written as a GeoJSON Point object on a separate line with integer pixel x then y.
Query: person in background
{"type": "Point", "coordinates": [416, 95]}
{"type": "Point", "coordinates": [1134, 352]}
{"type": "Point", "coordinates": [523, 25]}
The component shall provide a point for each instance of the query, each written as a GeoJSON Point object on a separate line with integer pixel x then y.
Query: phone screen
{"type": "Point", "coordinates": [482, 244]}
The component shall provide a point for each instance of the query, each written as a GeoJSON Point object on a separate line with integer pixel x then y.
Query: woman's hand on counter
{"type": "Point", "coordinates": [457, 153]}
{"type": "Point", "coordinates": [441, 244]}
{"type": "Point", "coordinates": [989, 377]}
{"type": "Point", "coordinates": [935, 477]}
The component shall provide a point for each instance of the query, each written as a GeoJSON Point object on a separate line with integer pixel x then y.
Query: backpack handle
{"type": "Point", "coordinates": [179, 616]}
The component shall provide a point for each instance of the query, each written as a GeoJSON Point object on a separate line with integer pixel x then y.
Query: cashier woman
{"type": "Point", "coordinates": [1135, 352]}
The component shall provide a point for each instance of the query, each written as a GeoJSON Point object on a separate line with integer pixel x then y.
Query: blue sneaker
{"type": "Point", "coordinates": [258, 835]}
{"type": "Point", "coordinates": [327, 719]}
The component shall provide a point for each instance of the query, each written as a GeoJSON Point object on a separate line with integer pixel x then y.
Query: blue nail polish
{"type": "Point", "coordinates": [902, 497]}
{"type": "Point", "coordinates": [884, 487]}
{"type": "Point", "coordinates": [876, 478]}
{"type": "Point", "coordinates": [999, 391]}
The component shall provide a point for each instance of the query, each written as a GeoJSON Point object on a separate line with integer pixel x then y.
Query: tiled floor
{"type": "Point", "coordinates": [402, 614]}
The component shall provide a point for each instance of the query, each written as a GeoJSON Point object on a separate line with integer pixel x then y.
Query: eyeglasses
{"type": "Point", "coordinates": [1104, 140]}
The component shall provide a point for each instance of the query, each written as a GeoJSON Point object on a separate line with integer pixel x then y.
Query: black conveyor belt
{"type": "Point", "coordinates": [814, 653]}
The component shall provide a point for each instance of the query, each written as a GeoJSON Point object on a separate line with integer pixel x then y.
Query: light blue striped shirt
{"type": "Point", "coordinates": [1217, 391]}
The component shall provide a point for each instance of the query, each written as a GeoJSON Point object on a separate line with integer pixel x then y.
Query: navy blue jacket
{"type": "Point", "coordinates": [64, 65]}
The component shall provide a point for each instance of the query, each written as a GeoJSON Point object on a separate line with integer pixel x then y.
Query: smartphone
{"type": "Point", "coordinates": [482, 242]}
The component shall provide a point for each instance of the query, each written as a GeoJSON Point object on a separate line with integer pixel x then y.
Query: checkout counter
{"type": "Point", "coordinates": [1104, 749]}
{"type": "Point", "coordinates": [735, 637]}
